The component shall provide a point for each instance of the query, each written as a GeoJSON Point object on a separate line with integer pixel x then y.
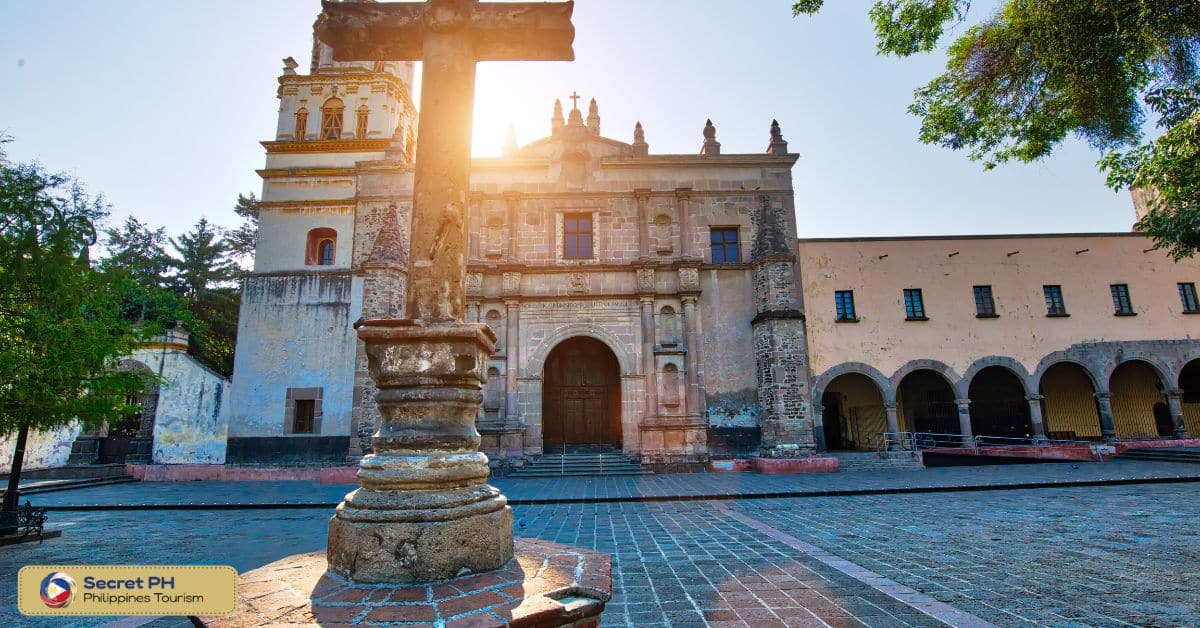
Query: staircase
{"type": "Point", "coordinates": [1163, 454]}
{"type": "Point", "coordinates": [876, 461]}
{"type": "Point", "coordinates": [599, 461]}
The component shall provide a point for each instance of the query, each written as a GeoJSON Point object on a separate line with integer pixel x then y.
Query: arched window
{"type": "Point", "coordinates": [331, 119]}
{"type": "Point", "coordinates": [322, 247]}
{"type": "Point", "coordinates": [360, 130]}
{"type": "Point", "coordinates": [301, 124]}
{"type": "Point", "coordinates": [492, 318]}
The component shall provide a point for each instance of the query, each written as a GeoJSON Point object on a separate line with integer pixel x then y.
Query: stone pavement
{"type": "Point", "coordinates": [1069, 556]}
{"type": "Point", "coordinates": [652, 487]}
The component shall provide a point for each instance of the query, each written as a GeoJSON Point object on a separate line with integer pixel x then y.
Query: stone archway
{"type": "Point", "coordinates": [131, 439]}
{"type": "Point", "coordinates": [853, 413]}
{"type": "Point", "coordinates": [1069, 407]}
{"type": "Point", "coordinates": [581, 397]}
{"type": "Point", "coordinates": [998, 404]}
{"type": "Point", "coordinates": [1137, 388]}
{"type": "Point", "coordinates": [927, 403]}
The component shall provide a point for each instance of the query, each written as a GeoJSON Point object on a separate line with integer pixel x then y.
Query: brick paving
{"type": "Point", "coordinates": [1070, 556]}
{"type": "Point", "coordinates": [695, 485]}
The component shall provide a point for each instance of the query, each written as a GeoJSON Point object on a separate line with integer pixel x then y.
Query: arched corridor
{"type": "Point", "coordinates": [1069, 403]}
{"type": "Point", "coordinates": [998, 404]}
{"type": "Point", "coordinates": [1136, 388]}
{"type": "Point", "coordinates": [1189, 382]}
{"type": "Point", "coordinates": [853, 413]}
{"type": "Point", "coordinates": [926, 403]}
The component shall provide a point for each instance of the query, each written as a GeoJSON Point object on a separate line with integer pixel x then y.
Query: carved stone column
{"type": "Point", "coordinates": [1036, 419]}
{"type": "Point", "coordinates": [695, 389]}
{"type": "Point", "coordinates": [684, 198]}
{"type": "Point", "coordinates": [512, 202]}
{"type": "Point", "coordinates": [643, 201]}
{"type": "Point", "coordinates": [1104, 407]}
{"type": "Point", "coordinates": [964, 422]}
{"type": "Point", "coordinates": [1175, 404]}
{"type": "Point", "coordinates": [648, 365]}
{"type": "Point", "coordinates": [512, 355]}
{"type": "Point", "coordinates": [893, 426]}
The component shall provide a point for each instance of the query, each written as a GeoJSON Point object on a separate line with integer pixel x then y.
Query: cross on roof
{"type": "Point", "coordinates": [575, 99]}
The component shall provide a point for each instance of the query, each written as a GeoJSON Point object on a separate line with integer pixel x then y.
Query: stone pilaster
{"type": "Point", "coordinates": [964, 422]}
{"type": "Point", "coordinates": [1035, 417]}
{"type": "Point", "coordinates": [642, 197]}
{"type": "Point", "coordinates": [512, 355]}
{"type": "Point", "coordinates": [1104, 407]}
{"type": "Point", "coordinates": [648, 366]}
{"type": "Point", "coordinates": [1175, 405]}
{"type": "Point", "coordinates": [695, 387]}
{"type": "Point", "coordinates": [512, 203]}
{"type": "Point", "coordinates": [683, 198]}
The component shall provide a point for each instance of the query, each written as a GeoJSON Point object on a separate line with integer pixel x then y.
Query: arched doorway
{"type": "Point", "coordinates": [581, 398]}
{"type": "Point", "coordinates": [131, 438]}
{"type": "Point", "coordinates": [1189, 382]}
{"type": "Point", "coordinates": [852, 413]}
{"type": "Point", "coordinates": [926, 401]}
{"type": "Point", "coordinates": [998, 404]}
{"type": "Point", "coordinates": [1136, 388]}
{"type": "Point", "coordinates": [1069, 403]}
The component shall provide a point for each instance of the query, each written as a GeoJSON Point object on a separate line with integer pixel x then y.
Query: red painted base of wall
{"type": "Point", "coordinates": [782, 466]}
{"type": "Point", "coordinates": [1081, 452]}
{"type": "Point", "coordinates": [729, 466]}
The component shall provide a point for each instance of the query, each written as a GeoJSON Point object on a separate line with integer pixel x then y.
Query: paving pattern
{"type": "Point", "coordinates": [1071, 556]}
{"type": "Point", "coordinates": [691, 486]}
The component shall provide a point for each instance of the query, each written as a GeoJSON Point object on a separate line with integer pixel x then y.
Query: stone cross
{"type": "Point", "coordinates": [448, 37]}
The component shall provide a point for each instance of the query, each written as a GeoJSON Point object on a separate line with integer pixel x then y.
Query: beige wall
{"type": "Point", "coordinates": [1016, 267]}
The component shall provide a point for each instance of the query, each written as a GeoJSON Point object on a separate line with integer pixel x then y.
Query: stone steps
{"type": "Point", "coordinates": [51, 486]}
{"type": "Point", "coordinates": [875, 461]}
{"type": "Point", "coordinates": [1165, 454]}
{"type": "Point", "coordinates": [580, 464]}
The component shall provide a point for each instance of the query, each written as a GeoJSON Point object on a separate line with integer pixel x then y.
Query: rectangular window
{"type": "Point", "coordinates": [844, 301]}
{"type": "Point", "coordinates": [1120, 296]}
{"type": "Point", "coordinates": [306, 415]}
{"type": "Point", "coordinates": [914, 305]}
{"type": "Point", "coordinates": [724, 245]}
{"type": "Point", "coordinates": [1054, 301]}
{"type": "Point", "coordinates": [1187, 295]}
{"type": "Point", "coordinates": [985, 305]}
{"type": "Point", "coordinates": [577, 236]}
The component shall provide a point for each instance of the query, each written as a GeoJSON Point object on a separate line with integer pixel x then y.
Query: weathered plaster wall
{"type": "Point", "coordinates": [283, 238]}
{"type": "Point", "coordinates": [295, 331]}
{"type": "Point", "coordinates": [1016, 267]}
{"type": "Point", "coordinates": [43, 450]}
{"type": "Point", "coordinates": [193, 409]}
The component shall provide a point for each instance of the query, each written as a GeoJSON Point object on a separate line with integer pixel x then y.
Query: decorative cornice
{"type": "Point", "coordinates": [283, 173]}
{"type": "Point", "coordinates": [327, 146]}
{"type": "Point", "coordinates": [339, 203]}
{"type": "Point", "coordinates": [701, 161]}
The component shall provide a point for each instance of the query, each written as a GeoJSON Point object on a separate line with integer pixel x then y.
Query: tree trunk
{"type": "Point", "coordinates": [12, 496]}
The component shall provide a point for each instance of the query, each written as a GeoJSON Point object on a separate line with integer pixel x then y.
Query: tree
{"type": "Point", "coordinates": [61, 333]}
{"type": "Point", "coordinates": [204, 275]}
{"type": "Point", "coordinates": [1039, 71]}
{"type": "Point", "coordinates": [241, 241]}
{"type": "Point", "coordinates": [137, 259]}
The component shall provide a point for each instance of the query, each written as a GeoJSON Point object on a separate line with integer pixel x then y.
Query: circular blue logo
{"type": "Point", "coordinates": [57, 590]}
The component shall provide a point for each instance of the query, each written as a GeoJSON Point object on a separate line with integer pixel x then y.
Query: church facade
{"type": "Point", "coordinates": [647, 303]}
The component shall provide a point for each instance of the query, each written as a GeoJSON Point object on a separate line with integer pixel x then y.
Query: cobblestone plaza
{"type": "Point", "coordinates": [1105, 555]}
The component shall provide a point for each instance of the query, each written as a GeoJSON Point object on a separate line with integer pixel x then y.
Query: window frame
{"type": "Point", "coordinates": [985, 301]}
{"type": "Point", "coordinates": [573, 238]}
{"type": "Point", "coordinates": [331, 113]}
{"type": "Point", "coordinates": [914, 305]}
{"type": "Point", "coordinates": [1122, 302]}
{"type": "Point", "coordinates": [843, 307]}
{"type": "Point", "coordinates": [724, 244]}
{"type": "Point", "coordinates": [1188, 298]}
{"type": "Point", "coordinates": [314, 240]}
{"type": "Point", "coordinates": [1056, 303]}
{"type": "Point", "coordinates": [295, 416]}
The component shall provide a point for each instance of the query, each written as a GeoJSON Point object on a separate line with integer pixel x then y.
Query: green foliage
{"type": "Point", "coordinates": [241, 241]}
{"type": "Point", "coordinates": [1040, 71]}
{"type": "Point", "coordinates": [204, 274]}
{"type": "Point", "coordinates": [61, 333]}
{"type": "Point", "coordinates": [203, 260]}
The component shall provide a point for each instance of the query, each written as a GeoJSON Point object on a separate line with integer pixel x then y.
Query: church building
{"type": "Point", "coordinates": [644, 303]}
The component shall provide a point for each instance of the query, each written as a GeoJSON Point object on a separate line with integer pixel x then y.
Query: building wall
{"type": "Point", "coordinates": [192, 414]}
{"type": "Point", "coordinates": [43, 449]}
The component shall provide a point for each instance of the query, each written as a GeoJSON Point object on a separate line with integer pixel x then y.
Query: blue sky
{"type": "Point", "coordinates": [160, 106]}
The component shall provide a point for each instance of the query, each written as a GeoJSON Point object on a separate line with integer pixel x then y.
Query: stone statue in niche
{"type": "Point", "coordinates": [492, 318]}
{"type": "Point", "coordinates": [661, 231]}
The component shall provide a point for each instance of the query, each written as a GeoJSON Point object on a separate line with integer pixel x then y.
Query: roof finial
{"type": "Point", "coordinates": [711, 145]}
{"type": "Point", "coordinates": [778, 145]}
{"type": "Point", "coordinates": [640, 147]}
{"type": "Point", "coordinates": [556, 119]}
{"type": "Point", "coordinates": [593, 119]}
{"type": "Point", "coordinates": [574, 99]}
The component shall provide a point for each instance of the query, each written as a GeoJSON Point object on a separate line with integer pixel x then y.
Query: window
{"type": "Point", "coordinates": [360, 129]}
{"type": "Point", "coordinates": [724, 245]}
{"type": "Point", "coordinates": [321, 248]}
{"type": "Point", "coordinates": [1187, 295]}
{"type": "Point", "coordinates": [914, 305]}
{"type": "Point", "coordinates": [331, 119]}
{"type": "Point", "coordinates": [844, 302]}
{"type": "Point", "coordinates": [985, 305]}
{"type": "Point", "coordinates": [1120, 296]}
{"type": "Point", "coordinates": [577, 236]}
{"type": "Point", "coordinates": [301, 124]}
{"type": "Point", "coordinates": [1054, 301]}
{"type": "Point", "coordinates": [306, 415]}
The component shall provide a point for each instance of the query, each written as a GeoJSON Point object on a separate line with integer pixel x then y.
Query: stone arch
{"type": "Point", "coordinates": [1098, 383]}
{"type": "Point", "coordinates": [1166, 375]}
{"type": "Point", "coordinates": [625, 359]}
{"type": "Point", "coordinates": [941, 368]}
{"type": "Point", "coordinates": [886, 389]}
{"type": "Point", "coordinates": [1186, 357]}
{"type": "Point", "coordinates": [1011, 364]}
{"type": "Point", "coordinates": [1139, 409]}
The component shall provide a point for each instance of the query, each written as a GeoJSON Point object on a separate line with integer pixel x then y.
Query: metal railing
{"type": "Point", "coordinates": [916, 441]}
